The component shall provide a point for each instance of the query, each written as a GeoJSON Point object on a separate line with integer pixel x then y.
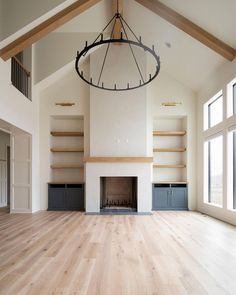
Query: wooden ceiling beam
{"type": "Point", "coordinates": [190, 28]}
{"type": "Point", "coordinates": [118, 28]}
{"type": "Point", "coordinates": [46, 27]}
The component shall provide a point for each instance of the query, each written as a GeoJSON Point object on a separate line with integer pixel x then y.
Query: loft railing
{"type": "Point", "coordinates": [20, 76]}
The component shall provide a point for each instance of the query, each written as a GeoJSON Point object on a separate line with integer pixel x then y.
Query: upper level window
{"type": "Point", "coordinates": [234, 98]}
{"type": "Point", "coordinates": [231, 93]}
{"type": "Point", "coordinates": [213, 111]}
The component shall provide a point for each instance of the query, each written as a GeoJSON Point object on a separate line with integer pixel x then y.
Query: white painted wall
{"type": "Point", "coordinates": [118, 120]}
{"type": "Point", "coordinates": [15, 108]}
{"type": "Point", "coordinates": [213, 85]}
{"type": "Point", "coordinates": [17, 14]}
{"type": "Point", "coordinates": [165, 89]}
{"type": "Point", "coordinates": [21, 113]}
{"type": "Point", "coordinates": [64, 85]}
{"type": "Point", "coordinates": [52, 52]}
{"type": "Point", "coordinates": [1, 19]}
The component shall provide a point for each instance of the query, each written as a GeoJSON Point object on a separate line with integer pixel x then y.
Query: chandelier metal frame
{"type": "Point", "coordinates": [124, 39]}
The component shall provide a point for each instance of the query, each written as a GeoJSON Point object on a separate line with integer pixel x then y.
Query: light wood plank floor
{"type": "Point", "coordinates": [72, 253]}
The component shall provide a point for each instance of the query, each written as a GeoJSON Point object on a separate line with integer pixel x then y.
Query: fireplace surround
{"type": "Point", "coordinates": [137, 167]}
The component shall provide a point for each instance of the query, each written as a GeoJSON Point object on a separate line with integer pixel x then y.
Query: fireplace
{"type": "Point", "coordinates": [118, 193]}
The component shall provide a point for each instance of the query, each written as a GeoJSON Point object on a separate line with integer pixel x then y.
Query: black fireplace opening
{"type": "Point", "coordinates": [118, 193]}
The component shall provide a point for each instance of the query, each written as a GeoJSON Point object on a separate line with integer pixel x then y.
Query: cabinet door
{"type": "Point", "coordinates": [75, 198]}
{"type": "Point", "coordinates": [178, 198]}
{"type": "Point", "coordinates": [56, 198]}
{"type": "Point", "coordinates": [160, 198]}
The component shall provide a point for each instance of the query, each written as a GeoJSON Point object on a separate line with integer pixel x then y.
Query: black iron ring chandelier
{"type": "Point", "coordinates": [124, 39]}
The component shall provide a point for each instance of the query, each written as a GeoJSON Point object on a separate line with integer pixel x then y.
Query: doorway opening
{"type": "Point", "coordinates": [4, 171]}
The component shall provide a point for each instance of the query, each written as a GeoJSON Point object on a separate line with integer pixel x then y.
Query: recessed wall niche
{"type": "Point", "coordinates": [67, 149]}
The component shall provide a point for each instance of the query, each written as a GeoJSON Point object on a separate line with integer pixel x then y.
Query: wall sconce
{"type": "Point", "coordinates": [171, 104]}
{"type": "Point", "coordinates": [65, 104]}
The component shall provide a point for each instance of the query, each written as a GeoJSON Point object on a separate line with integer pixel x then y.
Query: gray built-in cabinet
{"type": "Point", "coordinates": [66, 197]}
{"type": "Point", "coordinates": [170, 197]}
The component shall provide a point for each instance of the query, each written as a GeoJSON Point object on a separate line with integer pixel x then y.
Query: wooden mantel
{"type": "Point", "coordinates": [118, 160]}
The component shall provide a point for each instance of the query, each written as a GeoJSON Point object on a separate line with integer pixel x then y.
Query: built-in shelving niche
{"type": "Point", "coordinates": [67, 149]}
{"type": "Point", "coordinates": [170, 150]}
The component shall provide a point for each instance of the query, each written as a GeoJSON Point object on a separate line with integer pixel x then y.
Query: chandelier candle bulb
{"type": "Point", "coordinates": [101, 37]}
{"type": "Point", "coordinates": [150, 76]}
{"type": "Point", "coordinates": [82, 73]}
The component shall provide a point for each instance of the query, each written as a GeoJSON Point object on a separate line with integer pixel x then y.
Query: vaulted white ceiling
{"type": "Point", "coordinates": [186, 59]}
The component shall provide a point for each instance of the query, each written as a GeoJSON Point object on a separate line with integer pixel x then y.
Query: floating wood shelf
{"type": "Point", "coordinates": [169, 166]}
{"type": "Point", "coordinates": [66, 133]}
{"type": "Point", "coordinates": [66, 166]}
{"type": "Point", "coordinates": [119, 159]}
{"type": "Point", "coordinates": [169, 133]}
{"type": "Point", "coordinates": [67, 150]}
{"type": "Point", "coordinates": [169, 150]}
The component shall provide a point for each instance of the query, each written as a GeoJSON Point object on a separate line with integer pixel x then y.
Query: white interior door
{"type": "Point", "coordinates": [21, 173]}
{"type": "Point", "coordinates": [3, 183]}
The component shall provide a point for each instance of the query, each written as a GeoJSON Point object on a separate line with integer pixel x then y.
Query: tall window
{"type": "Point", "coordinates": [234, 170]}
{"type": "Point", "coordinates": [215, 111]}
{"type": "Point", "coordinates": [215, 170]}
{"type": "Point", "coordinates": [231, 98]}
{"type": "Point", "coordinates": [234, 98]}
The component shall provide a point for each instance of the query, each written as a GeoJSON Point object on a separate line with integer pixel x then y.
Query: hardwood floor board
{"type": "Point", "coordinates": [25, 280]}
{"type": "Point", "coordinates": [28, 236]}
{"type": "Point", "coordinates": [215, 256]}
{"type": "Point", "coordinates": [28, 254]}
{"type": "Point", "coordinates": [200, 272]}
{"type": "Point", "coordinates": [174, 253]}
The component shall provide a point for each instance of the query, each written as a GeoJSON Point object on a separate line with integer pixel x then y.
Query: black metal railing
{"type": "Point", "coordinates": [20, 77]}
